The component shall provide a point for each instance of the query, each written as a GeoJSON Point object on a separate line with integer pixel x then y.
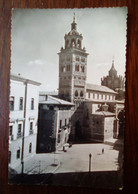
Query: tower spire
{"type": "Point", "coordinates": [74, 17]}
{"type": "Point", "coordinates": [113, 62]}
{"type": "Point", "coordinates": [74, 25]}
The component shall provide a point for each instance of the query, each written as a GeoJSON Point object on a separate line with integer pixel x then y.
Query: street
{"type": "Point", "coordinates": [71, 168]}
{"type": "Point", "coordinates": [76, 159]}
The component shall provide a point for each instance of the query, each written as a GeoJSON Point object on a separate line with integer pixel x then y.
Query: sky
{"type": "Point", "coordinates": [38, 34]}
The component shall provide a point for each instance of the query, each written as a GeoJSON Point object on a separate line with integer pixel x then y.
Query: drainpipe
{"type": "Point", "coordinates": [25, 102]}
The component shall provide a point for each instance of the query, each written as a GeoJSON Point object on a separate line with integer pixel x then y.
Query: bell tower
{"type": "Point", "coordinates": [72, 67]}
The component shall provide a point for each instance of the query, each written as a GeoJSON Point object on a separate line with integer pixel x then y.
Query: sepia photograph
{"type": "Point", "coordinates": [67, 94]}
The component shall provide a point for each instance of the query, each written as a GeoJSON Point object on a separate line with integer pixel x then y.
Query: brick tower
{"type": "Point", "coordinates": [72, 67]}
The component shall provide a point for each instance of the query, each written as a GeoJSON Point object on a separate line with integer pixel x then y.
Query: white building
{"type": "Point", "coordinates": [24, 97]}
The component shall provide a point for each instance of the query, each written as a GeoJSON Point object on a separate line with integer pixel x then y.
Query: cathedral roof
{"type": "Point", "coordinates": [99, 88]}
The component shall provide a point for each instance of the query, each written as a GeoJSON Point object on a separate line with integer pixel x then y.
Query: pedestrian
{"type": "Point", "coordinates": [102, 150]}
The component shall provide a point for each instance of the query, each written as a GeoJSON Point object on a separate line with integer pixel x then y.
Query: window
{"type": "Point", "coordinates": [11, 103]}
{"type": "Point", "coordinates": [19, 128]}
{"type": "Point", "coordinates": [81, 94]}
{"type": "Point", "coordinates": [60, 125]}
{"type": "Point", "coordinates": [105, 97]}
{"type": "Point", "coordinates": [76, 93]}
{"type": "Point", "coordinates": [89, 95]}
{"type": "Point", "coordinates": [31, 128]}
{"type": "Point", "coordinates": [18, 154]}
{"type": "Point", "coordinates": [10, 130]}
{"type": "Point", "coordinates": [65, 122]}
{"type": "Point", "coordinates": [19, 134]}
{"type": "Point", "coordinates": [76, 67]}
{"type": "Point", "coordinates": [79, 44]}
{"type": "Point", "coordinates": [77, 59]}
{"type": "Point", "coordinates": [31, 125]}
{"type": "Point", "coordinates": [30, 147]}
{"type": "Point", "coordinates": [82, 68]}
{"type": "Point", "coordinates": [9, 158]}
{"type": "Point", "coordinates": [82, 59]}
{"type": "Point", "coordinates": [21, 104]}
{"type": "Point", "coordinates": [32, 104]}
{"type": "Point", "coordinates": [93, 95]}
{"type": "Point", "coordinates": [97, 96]}
{"type": "Point", "coordinates": [102, 96]}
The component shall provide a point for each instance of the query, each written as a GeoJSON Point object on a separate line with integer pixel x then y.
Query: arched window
{"type": "Point", "coordinates": [76, 93]}
{"type": "Point", "coordinates": [81, 94]}
{"type": "Point", "coordinates": [79, 44]}
{"type": "Point", "coordinates": [30, 147]}
{"type": "Point", "coordinates": [73, 43]}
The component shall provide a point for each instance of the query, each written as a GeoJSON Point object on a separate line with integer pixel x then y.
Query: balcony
{"type": "Point", "coordinates": [11, 137]}
{"type": "Point", "coordinates": [19, 135]}
{"type": "Point", "coordinates": [31, 132]}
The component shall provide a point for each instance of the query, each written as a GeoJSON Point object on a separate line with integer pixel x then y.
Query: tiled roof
{"type": "Point", "coordinates": [99, 88]}
{"type": "Point", "coordinates": [56, 101]}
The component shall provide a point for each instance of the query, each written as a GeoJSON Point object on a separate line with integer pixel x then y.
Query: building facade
{"type": "Point", "coordinates": [54, 123]}
{"type": "Point", "coordinates": [24, 96]}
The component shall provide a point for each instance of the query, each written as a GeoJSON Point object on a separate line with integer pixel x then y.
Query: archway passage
{"type": "Point", "coordinates": [121, 117]}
